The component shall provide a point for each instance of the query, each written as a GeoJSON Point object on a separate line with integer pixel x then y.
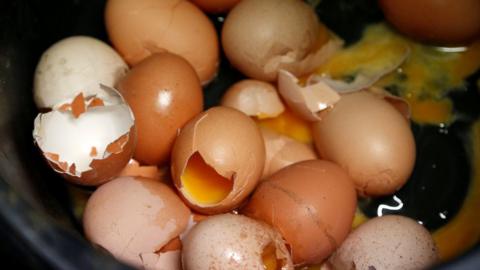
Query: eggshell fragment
{"type": "Point", "coordinates": [260, 37]}
{"type": "Point", "coordinates": [133, 168]}
{"type": "Point", "coordinates": [164, 93]}
{"type": "Point", "coordinates": [234, 242]}
{"type": "Point", "coordinates": [311, 203]}
{"type": "Point", "coordinates": [254, 98]}
{"type": "Point", "coordinates": [140, 28]}
{"type": "Point", "coordinates": [133, 218]}
{"type": "Point", "coordinates": [87, 143]}
{"type": "Point", "coordinates": [307, 101]}
{"type": "Point", "coordinates": [387, 242]}
{"type": "Point", "coordinates": [282, 151]}
{"type": "Point", "coordinates": [73, 65]}
{"type": "Point", "coordinates": [217, 160]}
{"type": "Point", "coordinates": [370, 139]}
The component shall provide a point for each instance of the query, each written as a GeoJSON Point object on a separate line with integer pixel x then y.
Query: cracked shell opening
{"type": "Point", "coordinates": [202, 184]}
{"type": "Point", "coordinates": [269, 258]}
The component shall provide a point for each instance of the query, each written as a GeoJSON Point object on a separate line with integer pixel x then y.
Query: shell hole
{"type": "Point", "coordinates": [202, 183]}
{"type": "Point", "coordinates": [269, 258]}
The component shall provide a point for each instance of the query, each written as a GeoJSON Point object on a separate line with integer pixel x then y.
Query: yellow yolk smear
{"type": "Point", "coordinates": [202, 183]}
{"type": "Point", "coordinates": [463, 231]}
{"type": "Point", "coordinates": [269, 258]}
{"type": "Point", "coordinates": [290, 125]}
{"type": "Point", "coordinates": [424, 79]}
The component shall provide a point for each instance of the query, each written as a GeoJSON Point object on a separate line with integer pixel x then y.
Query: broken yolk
{"type": "Point", "coordinates": [289, 125]}
{"type": "Point", "coordinates": [202, 183]}
{"type": "Point", "coordinates": [269, 258]}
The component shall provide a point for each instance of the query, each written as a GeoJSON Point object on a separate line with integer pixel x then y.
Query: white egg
{"type": "Point", "coordinates": [73, 65]}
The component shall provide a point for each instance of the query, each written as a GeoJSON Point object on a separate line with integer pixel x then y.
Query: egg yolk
{"type": "Point", "coordinates": [269, 258]}
{"type": "Point", "coordinates": [289, 125]}
{"type": "Point", "coordinates": [202, 183]}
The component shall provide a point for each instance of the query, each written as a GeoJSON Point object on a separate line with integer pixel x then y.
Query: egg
{"type": "Point", "coordinates": [370, 139]}
{"type": "Point", "coordinates": [217, 160]}
{"type": "Point", "coordinates": [74, 65]}
{"type": "Point", "coordinates": [282, 151]}
{"type": "Point", "coordinates": [88, 141]}
{"type": "Point", "coordinates": [311, 203]}
{"type": "Point", "coordinates": [444, 22]}
{"type": "Point", "coordinates": [260, 37]}
{"type": "Point", "coordinates": [164, 93]}
{"type": "Point", "coordinates": [142, 27]}
{"type": "Point", "coordinates": [254, 98]}
{"type": "Point", "coordinates": [387, 242]}
{"type": "Point", "coordinates": [133, 218]}
{"type": "Point", "coordinates": [234, 242]}
{"type": "Point", "coordinates": [215, 6]}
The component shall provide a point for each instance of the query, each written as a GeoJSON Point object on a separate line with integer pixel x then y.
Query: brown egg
{"type": "Point", "coordinates": [254, 98]}
{"type": "Point", "coordinates": [234, 242]}
{"type": "Point", "coordinates": [142, 27]}
{"type": "Point", "coordinates": [217, 160]}
{"type": "Point", "coordinates": [311, 203]}
{"type": "Point", "coordinates": [445, 22]}
{"type": "Point", "coordinates": [282, 151]}
{"type": "Point", "coordinates": [133, 217]}
{"type": "Point", "coordinates": [370, 139]}
{"type": "Point", "coordinates": [387, 242]}
{"type": "Point", "coordinates": [215, 6]}
{"type": "Point", "coordinates": [164, 93]}
{"type": "Point", "coordinates": [260, 37]}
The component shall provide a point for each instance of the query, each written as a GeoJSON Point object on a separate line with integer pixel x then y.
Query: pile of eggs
{"type": "Point", "coordinates": [239, 193]}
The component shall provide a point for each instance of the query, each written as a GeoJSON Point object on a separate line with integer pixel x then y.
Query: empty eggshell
{"type": "Point", "coordinates": [228, 241]}
{"type": "Point", "coordinates": [133, 218]}
{"type": "Point", "coordinates": [73, 65]}
{"type": "Point", "coordinates": [370, 139]}
{"type": "Point", "coordinates": [143, 27]}
{"type": "Point", "coordinates": [282, 151]}
{"type": "Point", "coordinates": [254, 98]}
{"type": "Point", "coordinates": [88, 141]}
{"type": "Point", "coordinates": [387, 242]}
{"type": "Point", "coordinates": [217, 160]}
{"type": "Point", "coordinates": [164, 93]}
{"type": "Point", "coordinates": [260, 37]}
{"type": "Point", "coordinates": [311, 203]}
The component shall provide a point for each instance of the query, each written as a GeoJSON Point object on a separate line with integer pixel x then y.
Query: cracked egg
{"type": "Point", "coordinates": [315, 197]}
{"type": "Point", "coordinates": [234, 242]}
{"type": "Point", "coordinates": [88, 140]}
{"type": "Point", "coordinates": [217, 160]}
{"type": "Point", "coordinates": [138, 221]}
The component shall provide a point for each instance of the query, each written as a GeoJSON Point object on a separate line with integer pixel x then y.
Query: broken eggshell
{"type": "Point", "coordinates": [282, 151]}
{"type": "Point", "coordinates": [88, 141]}
{"type": "Point", "coordinates": [73, 65]}
{"type": "Point", "coordinates": [217, 160]}
{"type": "Point", "coordinates": [134, 219]}
{"type": "Point", "coordinates": [306, 101]}
{"type": "Point", "coordinates": [234, 242]}
{"type": "Point", "coordinates": [254, 98]}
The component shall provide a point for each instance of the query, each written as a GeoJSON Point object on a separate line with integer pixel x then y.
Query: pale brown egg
{"type": "Point", "coordinates": [231, 242]}
{"type": "Point", "coordinates": [311, 203]}
{"type": "Point", "coordinates": [387, 242]}
{"type": "Point", "coordinates": [164, 93]}
{"type": "Point", "coordinates": [217, 160]}
{"type": "Point", "coordinates": [254, 98]}
{"type": "Point", "coordinates": [142, 27]}
{"type": "Point", "coordinates": [370, 139]}
{"type": "Point", "coordinates": [282, 151]}
{"type": "Point", "coordinates": [134, 218]}
{"type": "Point", "coordinates": [260, 37]}
{"type": "Point", "coordinates": [215, 6]}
